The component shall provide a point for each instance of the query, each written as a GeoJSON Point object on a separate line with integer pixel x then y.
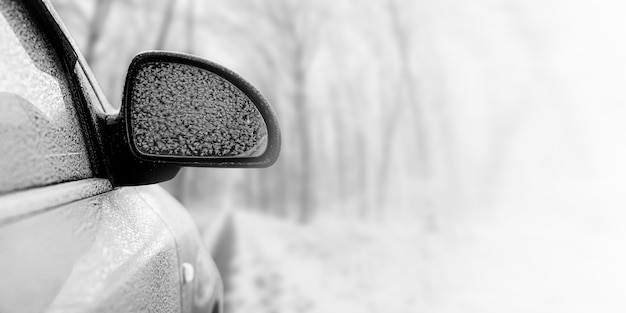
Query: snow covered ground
{"type": "Point", "coordinates": [328, 266]}
{"type": "Point", "coordinates": [515, 262]}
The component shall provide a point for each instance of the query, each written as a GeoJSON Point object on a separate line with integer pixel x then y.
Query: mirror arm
{"type": "Point", "coordinates": [124, 168]}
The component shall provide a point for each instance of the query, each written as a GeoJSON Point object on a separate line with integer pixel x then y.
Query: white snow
{"type": "Point", "coordinates": [329, 266]}
{"type": "Point", "coordinates": [518, 261]}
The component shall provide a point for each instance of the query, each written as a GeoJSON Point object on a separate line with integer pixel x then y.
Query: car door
{"type": "Point", "coordinates": [69, 242]}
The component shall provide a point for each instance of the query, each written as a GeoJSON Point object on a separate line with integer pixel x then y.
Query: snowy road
{"type": "Point", "coordinates": [329, 266]}
{"type": "Point", "coordinates": [510, 263]}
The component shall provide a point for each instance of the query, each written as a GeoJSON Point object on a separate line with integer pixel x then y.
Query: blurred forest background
{"type": "Point", "coordinates": [447, 156]}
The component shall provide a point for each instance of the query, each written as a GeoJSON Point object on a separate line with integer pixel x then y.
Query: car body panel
{"type": "Point", "coordinates": [206, 290]}
{"type": "Point", "coordinates": [107, 253]}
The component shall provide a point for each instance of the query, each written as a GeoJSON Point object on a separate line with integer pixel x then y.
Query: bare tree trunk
{"type": "Point", "coordinates": [264, 194]}
{"type": "Point", "coordinates": [190, 21]}
{"type": "Point", "coordinates": [274, 188]}
{"type": "Point", "coordinates": [340, 155]}
{"type": "Point", "coordinates": [282, 188]}
{"type": "Point", "coordinates": [165, 25]}
{"type": "Point", "coordinates": [248, 186]}
{"type": "Point", "coordinates": [408, 87]}
{"type": "Point", "coordinates": [291, 39]}
{"type": "Point", "coordinates": [302, 119]}
{"type": "Point", "coordinates": [101, 12]}
{"type": "Point", "coordinates": [406, 95]}
{"type": "Point", "coordinates": [363, 178]}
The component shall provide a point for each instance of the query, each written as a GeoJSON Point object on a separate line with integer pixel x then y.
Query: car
{"type": "Point", "coordinates": [83, 227]}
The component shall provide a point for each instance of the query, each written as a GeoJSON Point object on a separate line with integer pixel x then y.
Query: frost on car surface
{"type": "Point", "coordinates": [182, 110]}
{"type": "Point", "coordinates": [40, 138]}
{"type": "Point", "coordinates": [108, 253]}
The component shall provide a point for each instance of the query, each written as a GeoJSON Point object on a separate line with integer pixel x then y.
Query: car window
{"type": "Point", "coordinates": [41, 141]}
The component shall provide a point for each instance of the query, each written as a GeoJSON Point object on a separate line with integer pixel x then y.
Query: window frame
{"type": "Point", "coordinates": [90, 119]}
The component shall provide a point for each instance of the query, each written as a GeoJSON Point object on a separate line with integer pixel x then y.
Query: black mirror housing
{"type": "Point", "coordinates": [180, 110]}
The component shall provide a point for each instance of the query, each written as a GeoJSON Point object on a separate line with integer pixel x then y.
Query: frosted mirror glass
{"type": "Point", "coordinates": [182, 110]}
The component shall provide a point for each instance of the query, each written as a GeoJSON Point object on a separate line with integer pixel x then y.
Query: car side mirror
{"type": "Point", "coordinates": [180, 110]}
